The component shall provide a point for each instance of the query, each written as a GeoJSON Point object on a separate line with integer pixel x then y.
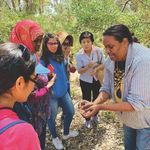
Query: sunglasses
{"type": "Point", "coordinates": [52, 43]}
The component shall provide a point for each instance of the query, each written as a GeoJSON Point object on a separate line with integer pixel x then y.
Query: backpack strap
{"type": "Point", "coordinates": [98, 58]}
{"type": "Point", "coordinates": [3, 129]}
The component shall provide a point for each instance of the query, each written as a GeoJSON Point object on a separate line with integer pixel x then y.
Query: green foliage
{"type": "Point", "coordinates": [94, 15]}
{"type": "Point", "coordinates": [8, 19]}
{"type": "Point", "coordinates": [108, 115]}
{"type": "Point", "coordinates": [76, 16]}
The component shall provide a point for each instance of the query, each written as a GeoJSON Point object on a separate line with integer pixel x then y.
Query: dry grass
{"type": "Point", "coordinates": [107, 135]}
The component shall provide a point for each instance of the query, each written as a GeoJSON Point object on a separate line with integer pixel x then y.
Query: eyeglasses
{"type": "Point", "coordinates": [52, 43]}
{"type": "Point", "coordinates": [34, 79]}
{"type": "Point", "coordinates": [66, 44]}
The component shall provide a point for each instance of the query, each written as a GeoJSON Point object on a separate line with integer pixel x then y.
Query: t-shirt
{"type": "Point", "coordinates": [118, 80]}
{"type": "Point", "coordinates": [18, 137]}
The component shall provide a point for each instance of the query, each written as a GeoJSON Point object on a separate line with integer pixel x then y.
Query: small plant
{"type": "Point", "coordinates": [108, 115]}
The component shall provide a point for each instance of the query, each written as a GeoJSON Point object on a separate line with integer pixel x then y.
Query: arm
{"type": "Point", "coordinates": [122, 107]}
{"type": "Point", "coordinates": [138, 95]}
{"type": "Point", "coordinates": [102, 97]}
{"type": "Point", "coordinates": [93, 109]}
{"type": "Point", "coordinates": [82, 68]}
{"type": "Point", "coordinates": [87, 67]}
{"type": "Point", "coordinates": [105, 91]}
{"type": "Point", "coordinates": [41, 92]}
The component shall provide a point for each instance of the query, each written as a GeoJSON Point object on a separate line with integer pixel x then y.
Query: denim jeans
{"type": "Point", "coordinates": [136, 139]}
{"type": "Point", "coordinates": [67, 106]}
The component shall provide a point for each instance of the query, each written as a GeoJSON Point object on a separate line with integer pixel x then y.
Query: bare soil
{"type": "Point", "coordinates": [106, 135]}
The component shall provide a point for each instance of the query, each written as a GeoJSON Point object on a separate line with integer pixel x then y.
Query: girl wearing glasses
{"type": "Point", "coordinates": [17, 72]}
{"type": "Point", "coordinates": [66, 41]}
{"type": "Point", "coordinates": [52, 54]}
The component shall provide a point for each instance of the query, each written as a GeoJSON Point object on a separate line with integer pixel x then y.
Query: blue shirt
{"type": "Point", "coordinates": [60, 86]}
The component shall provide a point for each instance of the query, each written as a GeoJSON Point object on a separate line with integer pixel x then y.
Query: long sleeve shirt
{"type": "Point", "coordinates": [136, 82]}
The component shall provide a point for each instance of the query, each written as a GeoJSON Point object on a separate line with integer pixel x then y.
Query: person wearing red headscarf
{"type": "Point", "coordinates": [28, 33]}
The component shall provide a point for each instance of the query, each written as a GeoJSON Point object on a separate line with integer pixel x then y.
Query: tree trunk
{"type": "Point", "coordinates": [19, 5]}
{"type": "Point", "coordinates": [13, 5]}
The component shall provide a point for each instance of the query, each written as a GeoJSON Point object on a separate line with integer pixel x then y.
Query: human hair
{"type": "Point", "coordinates": [134, 38]}
{"type": "Point", "coordinates": [70, 39]}
{"type": "Point", "coordinates": [86, 34]}
{"type": "Point", "coordinates": [15, 61]}
{"type": "Point", "coordinates": [119, 32]}
{"type": "Point", "coordinates": [45, 50]}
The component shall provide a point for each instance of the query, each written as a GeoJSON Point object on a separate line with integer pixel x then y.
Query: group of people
{"type": "Point", "coordinates": [33, 86]}
{"type": "Point", "coordinates": [37, 104]}
{"type": "Point", "coordinates": [126, 82]}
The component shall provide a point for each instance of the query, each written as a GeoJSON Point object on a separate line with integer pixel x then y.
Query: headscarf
{"type": "Point", "coordinates": [25, 32]}
{"type": "Point", "coordinates": [63, 35]}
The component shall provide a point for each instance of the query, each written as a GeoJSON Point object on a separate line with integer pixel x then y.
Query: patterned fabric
{"type": "Point", "coordinates": [135, 88]}
{"type": "Point", "coordinates": [39, 102]}
{"type": "Point", "coordinates": [26, 32]}
{"type": "Point", "coordinates": [40, 111]}
{"type": "Point", "coordinates": [118, 80]}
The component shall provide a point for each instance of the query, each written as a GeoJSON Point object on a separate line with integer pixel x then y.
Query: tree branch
{"type": "Point", "coordinates": [124, 6]}
{"type": "Point", "coordinates": [7, 4]}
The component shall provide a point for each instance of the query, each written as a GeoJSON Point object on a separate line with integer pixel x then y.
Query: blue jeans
{"type": "Point", "coordinates": [67, 106]}
{"type": "Point", "coordinates": [136, 139]}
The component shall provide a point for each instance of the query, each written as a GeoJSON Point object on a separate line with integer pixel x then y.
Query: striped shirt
{"type": "Point", "coordinates": [82, 59]}
{"type": "Point", "coordinates": [136, 86]}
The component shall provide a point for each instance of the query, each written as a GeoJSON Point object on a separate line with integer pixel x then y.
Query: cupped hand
{"type": "Point", "coordinates": [90, 111]}
{"type": "Point", "coordinates": [83, 103]}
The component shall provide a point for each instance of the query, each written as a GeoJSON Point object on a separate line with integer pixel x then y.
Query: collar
{"type": "Point", "coordinates": [83, 52]}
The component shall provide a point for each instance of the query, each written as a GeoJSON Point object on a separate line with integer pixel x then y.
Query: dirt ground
{"type": "Point", "coordinates": [106, 135]}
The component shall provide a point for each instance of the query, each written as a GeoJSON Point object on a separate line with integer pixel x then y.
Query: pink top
{"type": "Point", "coordinates": [41, 92]}
{"type": "Point", "coordinates": [19, 137]}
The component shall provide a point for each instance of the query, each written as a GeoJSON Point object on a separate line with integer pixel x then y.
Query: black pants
{"type": "Point", "coordinates": [90, 91]}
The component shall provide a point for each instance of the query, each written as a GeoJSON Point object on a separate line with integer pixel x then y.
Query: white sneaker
{"type": "Point", "coordinates": [70, 135]}
{"type": "Point", "coordinates": [57, 143]}
{"type": "Point", "coordinates": [88, 124]}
